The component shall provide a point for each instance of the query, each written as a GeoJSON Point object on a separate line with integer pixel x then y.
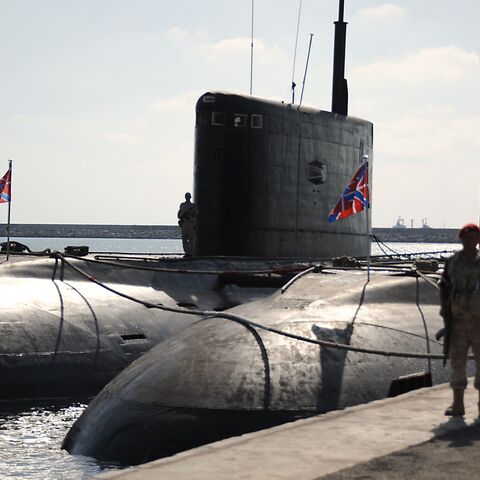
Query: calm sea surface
{"type": "Point", "coordinates": [31, 434]}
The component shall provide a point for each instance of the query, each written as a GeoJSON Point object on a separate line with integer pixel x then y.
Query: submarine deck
{"type": "Point", "coordinates": [394, 438]}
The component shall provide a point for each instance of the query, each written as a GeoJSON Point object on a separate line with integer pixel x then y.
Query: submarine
{"type": "Point", "coordinates": [69, 324]}
{"type": "Point", "coordinates": [266, 175]}
{"type": "Point", "coordinates": [332, 339]}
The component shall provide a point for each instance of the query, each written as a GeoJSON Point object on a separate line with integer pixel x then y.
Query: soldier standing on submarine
{"type": "Point", "coordinates": [460, 309]}
{"type": "Point", "coordinates": [187, 219]}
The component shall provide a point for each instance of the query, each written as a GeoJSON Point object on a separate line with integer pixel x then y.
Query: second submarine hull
{"type": "Point", "coordinates": [220, 377]}
{"type": "Point", "coordinates": [62, 335]}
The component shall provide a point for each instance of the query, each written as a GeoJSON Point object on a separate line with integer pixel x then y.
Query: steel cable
{"type": "Point", "coordinates": [229, 316]}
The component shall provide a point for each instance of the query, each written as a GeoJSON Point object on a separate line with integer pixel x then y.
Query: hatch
{"type": "Point", "coordinates": [407, 383]}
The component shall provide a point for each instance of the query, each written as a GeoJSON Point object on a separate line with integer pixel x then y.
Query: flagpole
{"type": "Point", "coordinates": [367, 229]}
{"type": "Point", "coordinates": [9, 203]}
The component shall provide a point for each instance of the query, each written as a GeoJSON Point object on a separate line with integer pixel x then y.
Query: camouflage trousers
{"type": "Point", "coordinates": [465, 334]}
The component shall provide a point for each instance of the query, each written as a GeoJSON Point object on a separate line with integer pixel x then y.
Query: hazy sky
{"type": "Point", "coordinates": [97, 98]}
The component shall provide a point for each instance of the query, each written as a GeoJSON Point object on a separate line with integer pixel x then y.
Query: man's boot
{"type": "Point", "coordinates": [457, 408]}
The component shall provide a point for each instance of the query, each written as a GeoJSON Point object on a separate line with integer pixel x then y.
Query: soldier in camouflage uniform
{"type": "Point", "coordinates": [460, 302]}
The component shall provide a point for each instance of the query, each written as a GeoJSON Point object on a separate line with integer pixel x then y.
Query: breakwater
{"type": "Point", "coordinates": [91, 231]}
{"type": "Point", "coordinates": [417, 235]}
{"type": "Point", "coordinates": [37, 230]}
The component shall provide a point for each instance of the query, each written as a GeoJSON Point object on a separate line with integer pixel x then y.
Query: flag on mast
{"type": "Point", "coordinates": [6, 187]}
{"type": "Point", "coordinates": [354, 198]}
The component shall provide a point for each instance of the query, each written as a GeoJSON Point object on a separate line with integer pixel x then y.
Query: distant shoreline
{"type": "Point", "coordinates": [29, 230]}
{"type": "Point", "coordinates": [417, 235]}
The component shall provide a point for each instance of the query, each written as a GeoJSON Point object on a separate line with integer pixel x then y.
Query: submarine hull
{"type": "Point", "coordinates": [220, 377]}
{"type": "Point", "coordinates": [142, 440]}
{"type": "Point", "coordinates": [63, 335]}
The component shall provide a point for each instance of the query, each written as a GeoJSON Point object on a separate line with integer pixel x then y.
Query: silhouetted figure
{"type": "Point", "coordinates": [187, 219]}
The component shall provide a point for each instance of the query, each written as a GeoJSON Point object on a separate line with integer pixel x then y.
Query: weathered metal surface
{"type": "Point", "coordinates": [218, 377]}
{"type": "Point", "coordinates": [62, 335]}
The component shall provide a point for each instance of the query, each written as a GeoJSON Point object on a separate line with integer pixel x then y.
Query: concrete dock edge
{"type": "Point", "coordinates": [311, 448]}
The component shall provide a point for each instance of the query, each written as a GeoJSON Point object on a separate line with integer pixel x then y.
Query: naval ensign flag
{"type": "Point", "coordinates": [6, 186]}
{"type": "Point", "coordinates": [6, 197]}
{"type": "Point", "coordinates": [354, 198]}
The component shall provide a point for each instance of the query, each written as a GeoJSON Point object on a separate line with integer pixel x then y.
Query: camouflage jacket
{"type": "Point", "coordinates": [461, 284]}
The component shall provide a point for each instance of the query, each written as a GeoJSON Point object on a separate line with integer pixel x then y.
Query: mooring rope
{"type": "Point", "coordinates": [229, 316]}
{"type": "Point", "coordinates": [382, 244]}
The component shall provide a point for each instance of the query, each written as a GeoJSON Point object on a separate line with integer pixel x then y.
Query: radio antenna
{"type": "Point", "coordinates": [306, 67]}
{"type": "Point", "coordinates": [295, 52]}
{"type": "Point", "coordinates": [251, 53]}
{"type": "Point", "coordinates": [479, 198]}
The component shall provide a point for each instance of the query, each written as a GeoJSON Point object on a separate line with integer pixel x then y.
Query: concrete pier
{"type": "Point", "coordinates": [401, 437]}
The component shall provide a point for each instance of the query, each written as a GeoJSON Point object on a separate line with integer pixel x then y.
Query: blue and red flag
{"type": "Point", "coordinates": [354, 198]}
{"type": "Point", "coordinates": [6, 187]}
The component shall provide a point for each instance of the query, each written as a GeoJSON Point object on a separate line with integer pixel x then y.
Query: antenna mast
{"type": "Point", "coordinates": [295, 52]}
{"type": "Point", "coordinates": [306, 67]}
{"type": "Point", "coordinates": [251, 53]}
{"type": "Point", "coordinates": [340, 88]}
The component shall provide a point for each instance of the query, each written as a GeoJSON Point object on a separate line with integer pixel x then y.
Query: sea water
{"type": "Point", "coordinates": [30, 439]}
{"type": "Point", "coordinates": [31, 433]}
{"type": "Point", "coordinates": [120, 245]}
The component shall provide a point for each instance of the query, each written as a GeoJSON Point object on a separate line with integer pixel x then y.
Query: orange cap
{"type": "Point", "coordinates": [469, 227]}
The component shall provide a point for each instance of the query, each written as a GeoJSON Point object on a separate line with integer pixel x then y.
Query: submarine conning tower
{"type": "Point", "coordinates": [268, 173]}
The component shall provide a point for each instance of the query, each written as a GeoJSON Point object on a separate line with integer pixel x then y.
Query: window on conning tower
{"type": "Point", "coordinates": [219, 118]}
{"type": "Point", "coordinates": [256, 121]}
{"type": "Point", "coordinates": [240, 120]}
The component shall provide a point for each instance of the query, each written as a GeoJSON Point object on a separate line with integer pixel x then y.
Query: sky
{"type": "Point", "coordinates": [98, 96]}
